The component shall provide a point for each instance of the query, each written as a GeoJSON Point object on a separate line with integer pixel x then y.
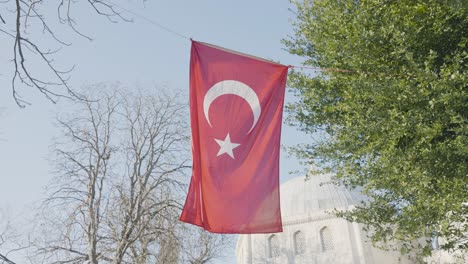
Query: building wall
{"type": "Point", "coordinates": [348, 245]}
{"type": "Point", "coordinates": [304, 206]}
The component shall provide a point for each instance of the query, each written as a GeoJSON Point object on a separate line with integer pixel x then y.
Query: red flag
{"type": "Point", "coordinates": [236, 107]}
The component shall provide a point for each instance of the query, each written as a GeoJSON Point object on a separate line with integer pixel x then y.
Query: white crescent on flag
{"type": "Point", "coordinates": [235, 88]}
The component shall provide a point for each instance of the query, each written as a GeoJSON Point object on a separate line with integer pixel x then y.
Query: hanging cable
{"type": "Point", "coordinates": [152, 21]}
{"type": "Point", "coordinates": [168, 29]}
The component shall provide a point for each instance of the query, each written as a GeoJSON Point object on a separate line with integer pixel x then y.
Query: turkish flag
{"type": "Point", "coordinates": [236, 107]}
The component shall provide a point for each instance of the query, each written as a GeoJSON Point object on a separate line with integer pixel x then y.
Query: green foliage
{"type": "Point", "coordinates": [397, 124]}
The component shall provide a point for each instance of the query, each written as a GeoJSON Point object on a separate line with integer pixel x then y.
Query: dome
{"type": "Point", "coordinates": [311, 233]}
{"type": "Point", "coordinates": [301, 197]}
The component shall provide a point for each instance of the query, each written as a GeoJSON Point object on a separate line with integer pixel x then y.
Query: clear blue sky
{"type": "Point", "coordinates": [137, 52]}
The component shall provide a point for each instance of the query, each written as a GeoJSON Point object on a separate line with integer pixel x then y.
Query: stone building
{"type": "Point", "coordinates": [310, 234]}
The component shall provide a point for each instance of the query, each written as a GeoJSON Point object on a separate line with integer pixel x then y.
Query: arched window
{"type": "Point", "coordinates": [273, 246]}
{"type": "Point", "coordinates": [326, 239]}
{"type": "Point", "coordinates": [299, 243]}
{"type": "Point", "coordinates": [435, 242]}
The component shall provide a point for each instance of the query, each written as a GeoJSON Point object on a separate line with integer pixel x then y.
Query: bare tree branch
{"type": "Point", "coordinates": [26, 25]}
{"type": "Point", "coordinates": [121, 165]}
{"type": "Point", "coordinates": [6, 235]}
{"type": "Point", "coordinates": [4, 259]}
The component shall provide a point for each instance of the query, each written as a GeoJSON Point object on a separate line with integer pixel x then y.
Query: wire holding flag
{"type": "Point", "coordinates": [236, 107]}
{"type": "Point", "coordinates": [182, 36]}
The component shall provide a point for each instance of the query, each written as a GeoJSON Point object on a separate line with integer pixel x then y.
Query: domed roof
{"type": "Point", "coordinates": [303, 197]}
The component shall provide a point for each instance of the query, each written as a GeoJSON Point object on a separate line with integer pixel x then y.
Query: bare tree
{"type": "Point", "coordinates": [121, 175]}
{"type": "Point", "coordinates": [161, 247]}
{"type": "Point", "coordinates": [170, 243]}
{"type": "Point", "coordinates": [154, 148]}
{"type": "Point", "coordinates": [182, 243]}
{"type": "Point", "coordinates": [80, 189]}
{"type": "Point", "coordinates": [26, 23]}
{"type": "Point", "coordinates": [7, 234]}
{"type": "Point", "coordinates": [202, 247]}
{"type": "Point", "coordinates": [4, 255]}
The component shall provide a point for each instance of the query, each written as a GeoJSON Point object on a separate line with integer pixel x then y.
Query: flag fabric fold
{"type": "Point", "coordinates": [236, 106]}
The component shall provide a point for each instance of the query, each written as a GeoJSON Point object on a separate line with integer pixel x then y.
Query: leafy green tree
{"type": "Point", "coordinates": [390, 109]}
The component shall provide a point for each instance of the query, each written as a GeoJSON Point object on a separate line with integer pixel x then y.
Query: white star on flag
{"type": "Point", "coordinates": [226, 146]}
